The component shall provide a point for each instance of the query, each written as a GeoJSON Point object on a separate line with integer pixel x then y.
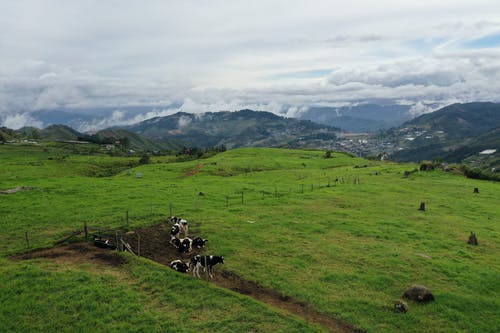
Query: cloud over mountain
{"type": "Point", "coordinates": [194, 57]}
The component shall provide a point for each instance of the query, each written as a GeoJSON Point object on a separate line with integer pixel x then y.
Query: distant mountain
{"type": "Point", "coordinates": [452, 133]}
{"type": "Point", "coordinates": [91, 118]}
{"type": "Point", "coordinates": [49, 133]}
{"type": "Point", "coordinates": [245, 128]}
{"type": "Point", "coordinates": [360, 118]}
{"type": "Point", "coordinates": [7, 134]}
{"type": "Point", "coordinates": [109, 136]}
{"type": "Point", "coordinates": [136, 141]}
{"type": "Point", "coordinates": [59, 132]}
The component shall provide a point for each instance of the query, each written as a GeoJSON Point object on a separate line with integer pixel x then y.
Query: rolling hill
{"type": "Point", "coordinates": [360, 118]}
{"type": "Point", "coordinates": [245, 128]}
{"type": "Point", "coordinates": [453, 133]}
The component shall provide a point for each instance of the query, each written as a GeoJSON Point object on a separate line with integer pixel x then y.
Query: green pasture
{"type": "Point", "coordinates": [343, 235]}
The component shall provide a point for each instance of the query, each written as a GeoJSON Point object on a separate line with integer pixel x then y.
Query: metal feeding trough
{"type": "Point", "coordinates": [104, 243]}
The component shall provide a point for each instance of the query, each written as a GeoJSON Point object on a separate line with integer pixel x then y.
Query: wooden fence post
{"type": "Point", "coordinates": [138, 244]}
{"type": "Point", "coordinates": [27, 239]}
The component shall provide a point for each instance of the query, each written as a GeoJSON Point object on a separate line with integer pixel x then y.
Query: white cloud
{"type": "Point", "coordinates": [183, 121]}
{"type": "Point", "coordinates": [195, 55]}
{"type": "Point", "coordinates": [18, 120]}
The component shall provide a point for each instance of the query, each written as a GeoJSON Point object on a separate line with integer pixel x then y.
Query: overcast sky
{"type": "Point", "coordinates": [280, 56]}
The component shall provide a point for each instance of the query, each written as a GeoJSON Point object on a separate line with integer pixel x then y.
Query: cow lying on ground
{"type": "Point", "coordinates": [205, 262]}
{"type": "Point", "coordinates": [179, 266]}
{"type": "Point", "coordinates": [183, 224]}
{"type": "Point", "coordinates": [199, 242]}
{"type": "Point", "coordinates": [184, 245]}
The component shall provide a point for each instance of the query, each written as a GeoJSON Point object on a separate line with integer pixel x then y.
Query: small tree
{"type": "Point", "coordinates": [328, 154]}
{"type": "Point", "coordinates": [145, 159]}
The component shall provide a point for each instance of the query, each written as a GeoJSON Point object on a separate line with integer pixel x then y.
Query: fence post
{"type": "Point", "coordinates": [138, 244]}
{"type": "Point", "coordinates": [85, 230]}
{"type": "Point", "coordinates": [27, 239]}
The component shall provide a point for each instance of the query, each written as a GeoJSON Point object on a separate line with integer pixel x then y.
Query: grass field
{"type": "Point", "coordinates": [341, 234]}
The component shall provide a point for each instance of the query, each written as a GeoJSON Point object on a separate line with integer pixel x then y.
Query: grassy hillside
{"type": "Point", "coordinates": [453, 133]}
{"type": "Point", "coordinates": [342, 235]}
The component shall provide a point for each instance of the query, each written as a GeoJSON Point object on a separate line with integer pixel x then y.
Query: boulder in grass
{"type": "Point", "coordinates": [400, 306]}
{"type": "Point", "coordinates": [419, 294]}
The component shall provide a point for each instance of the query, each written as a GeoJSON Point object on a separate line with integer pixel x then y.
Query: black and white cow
{"type": "Point", "coordinates": [183, 224]}
{"type": "Point", "coordinates": [185, 245]}
{"type": "Point", "coordinates": [199, 242]}
{"type": "Point", "coordinates": [176, 242]}
{"type": "Point", "coordinates": [205, 262]}
{"type": "Point", "coordinates": [174, 233]}
{"type": "Point", "coordinates": [179, 266]}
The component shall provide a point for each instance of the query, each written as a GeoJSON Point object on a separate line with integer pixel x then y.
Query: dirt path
{"type": "Point", "coordinates": [194, 171]}
{"type": "Point", "coordinates": [154, 245]}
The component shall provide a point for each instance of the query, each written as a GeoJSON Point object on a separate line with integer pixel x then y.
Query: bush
{"type": "Point", "coordinates": [145, 159]}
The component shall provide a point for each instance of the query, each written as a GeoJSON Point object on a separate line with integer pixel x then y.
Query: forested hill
{"type": "Point", "coordinates": [245, 128]}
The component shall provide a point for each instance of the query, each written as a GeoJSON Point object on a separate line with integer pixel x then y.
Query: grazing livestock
{"type": "Point", "coordinates": [185, 245]}
{"type": "Point", "coordinates": [199, 242]}
{"type": "Point", "coordinates": [176, 242]}
{"type": "Point", "coordinates": [174, 232]}
{"type": "Point", "coordinates": [103, 243]}
{"type": "Point", "coordinates": [205, 262]}
{"type": "Point", "coordinates": [183, 224]}
{"type": "Point", "coordinates": [179, 266]}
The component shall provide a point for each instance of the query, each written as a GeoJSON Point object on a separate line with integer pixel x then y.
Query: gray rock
{"type": "Point", "coordinates": [418, 294]}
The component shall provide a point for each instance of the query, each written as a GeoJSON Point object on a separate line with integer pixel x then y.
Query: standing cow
{"type": "Point", "coordinates": [207, 262]}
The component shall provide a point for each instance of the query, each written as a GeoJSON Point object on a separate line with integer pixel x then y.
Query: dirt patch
{"type": "Point", "coordinates": [230, 280]}
{"type": "Point", "coordinates": [153, 243]}
{"type": "Point", "coordinates": [16, 189]}
{"type": "Point", "coordinates": [195, 170]}
{"type": "Point", "coordinates": [76, 253]}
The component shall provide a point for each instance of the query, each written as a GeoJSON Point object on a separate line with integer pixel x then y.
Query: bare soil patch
{"type": "Point", "coordinates": [154, 244]}
{"type": "Point", "coordinates": [195, 170]}
{"type": "Point", "coordinates": [230, 280]}
{"type": "Point", "coordinates": [16, 189]}
{"type": "Point", "coordinates": [76, 253]}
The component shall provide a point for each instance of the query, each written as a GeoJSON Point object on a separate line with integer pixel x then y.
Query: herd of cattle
{"type": "Point", "coordinates": [185, 245]}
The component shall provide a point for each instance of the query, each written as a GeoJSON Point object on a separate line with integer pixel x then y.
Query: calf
{"type": "Point", "coordinates": [206, 262]}
{"type": "Point", "coordinates": [199, 242]}
{"type": "Point", "coordinates": [179, 266]}
{"type": "Point", "coordinates": [174, 232]}
{"type": "Point", "coordinates": [185, 245]}
{"type": "Point", "coordinates": [183, 224]}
